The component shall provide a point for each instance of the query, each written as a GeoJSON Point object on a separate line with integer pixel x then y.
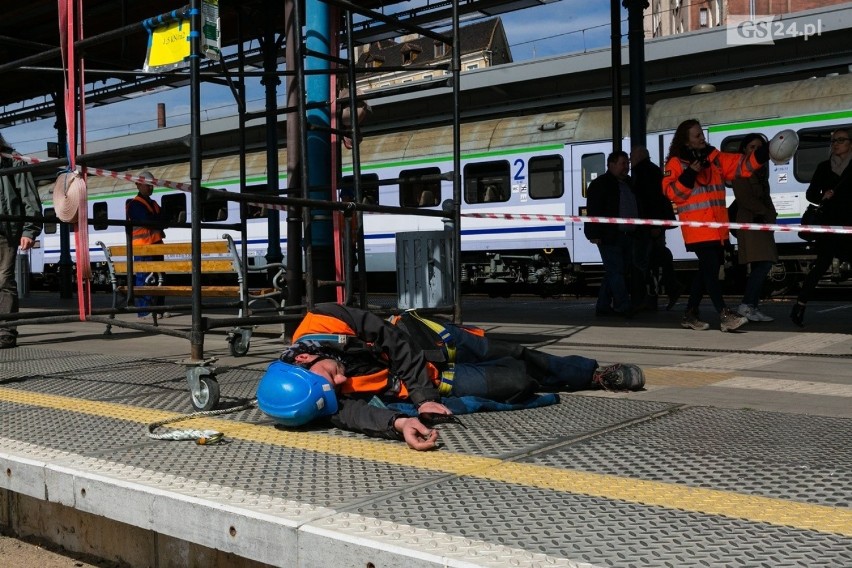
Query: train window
{"type": "Point", "coordinates": [487, 182]}
{"type": "Point", "coordinates": [592, 165]}
{"type": "Point", "coordinates": [215, 208]}
{"type": "Point", "coordinates": [49, 228]}
{"type": "Point", "coordinates": [99, 216]}
{"type": "Point", "coordinates": [369, 187]}
{"type": "Point", "coordinates": [173, 208]}
{"type": "Point", "coordinates": [545, 177]}
{"type": "Point", "coordinates": [814, 147]}
{"type": "Point", "coordinates": [731, 143]}
{"type": "Point", "coordinates": [416, 192]}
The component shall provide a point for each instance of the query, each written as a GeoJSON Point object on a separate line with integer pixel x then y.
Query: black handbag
{"type": "Point", "coordinates": [813, 215]}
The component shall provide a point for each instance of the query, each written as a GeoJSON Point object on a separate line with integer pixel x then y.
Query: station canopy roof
{"type": "Point", "coordinates": [29, 32]}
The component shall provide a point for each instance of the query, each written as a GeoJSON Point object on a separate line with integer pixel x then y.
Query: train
{"type": "Point", "coordinates": [530, 164]}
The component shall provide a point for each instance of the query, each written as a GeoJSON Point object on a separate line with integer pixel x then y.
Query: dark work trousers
{"type": "Point", "coordinates": [662, 261]}
{"type": "Point", "coordinates": [754, 284]}
{"type": "Point", "coordinates": [8, 286]}
{"type": "Point", "coordinates": [508, 372]}
{"type": "Point", "coordinates": [711, 257]}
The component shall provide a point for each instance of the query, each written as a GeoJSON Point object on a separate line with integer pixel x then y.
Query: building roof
{"type": "Point", "coordinates": [474, 38]}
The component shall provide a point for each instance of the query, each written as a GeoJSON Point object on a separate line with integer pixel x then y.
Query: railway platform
{"type": "Point", "coordinates": [737, 453]}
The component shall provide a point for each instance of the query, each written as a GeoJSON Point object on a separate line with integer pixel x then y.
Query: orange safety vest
{"type": "Point", "coordinates": [379, 382]}
{"type": "Point", "coordinates": [146, 235]}
{"type": "Point", "coordinates": [705, 201]}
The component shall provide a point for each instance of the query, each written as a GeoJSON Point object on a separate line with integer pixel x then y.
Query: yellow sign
{"type": "Point", "coordinates": [168, 46]}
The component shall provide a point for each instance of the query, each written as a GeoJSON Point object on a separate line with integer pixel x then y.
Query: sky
{"type": "Point", "coordinates": [565, 26]}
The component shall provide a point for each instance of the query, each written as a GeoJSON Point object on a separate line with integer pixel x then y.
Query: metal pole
{"type": "Point", "coordinates": [615, 46]}
{"type": "Point", "coordinates": [270, 83]}
{"type": "Point", "coordinates": [196, 335]}
{"type": "Point", "coordinates": [636, 36]}
{"type": "Point", "coordinates": [318, 17]}
{"type": "Point", "coordinates": [295, 287]}
{"type": "Point", "coordinates": [457, 190]}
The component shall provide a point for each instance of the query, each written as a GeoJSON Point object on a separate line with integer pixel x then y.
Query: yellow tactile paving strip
{"type": "Point", "coordinates": [671, 496]}
{"type": "Point", "coordinates": [686, 378]}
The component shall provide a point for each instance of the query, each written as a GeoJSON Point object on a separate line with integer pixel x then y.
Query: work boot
{"type": "Point", "coordinates": [690, 321]}
{"type": "Point", "coordinates": [620, 376]}
{"type": "Point", "coordinates": [731, 320]}
{"type": "Point", "coordinates": [798, 314]}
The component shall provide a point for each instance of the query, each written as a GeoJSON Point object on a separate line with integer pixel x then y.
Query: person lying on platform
{"type": "Point", "coordinates": [393, 378]}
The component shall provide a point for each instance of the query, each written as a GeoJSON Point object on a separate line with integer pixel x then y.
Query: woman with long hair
{"type": "Point", "coordinates": [755, 248]}
{"type": "Point", "coordinates": [694, 180]}
{"type": "Point", "coordinates": [831, 188]}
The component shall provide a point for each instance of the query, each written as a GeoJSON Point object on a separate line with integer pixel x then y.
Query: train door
{"type": "Point", "coordinates": [588, 161]}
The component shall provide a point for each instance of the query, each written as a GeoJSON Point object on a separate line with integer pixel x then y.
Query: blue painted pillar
{"type": "Point", "coordinates": [317, 87]}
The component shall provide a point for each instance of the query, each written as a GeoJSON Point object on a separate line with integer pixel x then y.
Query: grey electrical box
{"type": "Point", "coordinates": [424, 269]}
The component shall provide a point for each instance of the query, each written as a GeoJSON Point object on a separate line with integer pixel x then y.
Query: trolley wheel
{"type": "Point", "coordinates": [239, 340]}
{"type": "Point", "coordinates": [208, 396]}
{"type": "Point", "coordinates": [238, 348]}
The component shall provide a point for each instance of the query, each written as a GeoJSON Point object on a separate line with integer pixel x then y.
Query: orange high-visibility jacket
{"type": "Point", "coordinates": [146, 235]}
{"type": "Point", "coordinates": [380, 380]}
{"type": "Point", "coordinates": [705, 200]}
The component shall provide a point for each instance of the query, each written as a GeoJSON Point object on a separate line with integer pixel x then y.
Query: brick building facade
{"type": "Point", "coordinates": [666, 17]}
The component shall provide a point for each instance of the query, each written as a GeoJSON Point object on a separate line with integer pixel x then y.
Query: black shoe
{"type": "Point", "coordinates": [621, 376]}
{"type": "Point", "coordinates": [8, 341]}
{"type": "Point", "coordinates": [798, 314]}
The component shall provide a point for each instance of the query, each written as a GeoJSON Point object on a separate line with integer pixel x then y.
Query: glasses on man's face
{"type": "Point", "coordinates": [839, 140]}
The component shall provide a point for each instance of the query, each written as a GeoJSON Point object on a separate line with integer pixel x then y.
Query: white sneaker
{"type": "Point", "coordinates": [752, 313]}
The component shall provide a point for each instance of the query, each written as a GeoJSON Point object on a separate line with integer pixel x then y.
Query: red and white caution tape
{"type": "Point", "coordinates": [830, 229]}
{"type": "Point", "coordinates": [664, 223]}
{"type": "Point", "coordinates": [108, 173]}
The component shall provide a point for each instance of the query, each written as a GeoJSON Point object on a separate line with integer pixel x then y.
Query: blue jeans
{"type": "Point", "coordinates": [754, 284]}
{"type": "Point", "coordinates": [508, 372]}
{"type": "Point", "coordinates": [139, 279]}
{"type": "Point", "coordinates": [617, 259]}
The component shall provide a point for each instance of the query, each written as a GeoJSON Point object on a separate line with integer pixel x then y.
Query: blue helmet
{"type": "Point", "coordinates": [294, 396]}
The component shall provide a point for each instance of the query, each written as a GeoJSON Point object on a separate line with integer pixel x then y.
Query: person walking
{"type": "Point", "coordinates": [648, 187]}
{"type": "Point", "coordinates": [755, 248]}
{"type": "Point", "coordinates": [623, 248]}
{"type": "Point", "coordinates": [694, 179]}
{"type": "Point", "coordinates": [831, 189]}
{"type": "Point", "coordinates": [18, 197]}
{"type": "Point", "coordinates": [143, 208]}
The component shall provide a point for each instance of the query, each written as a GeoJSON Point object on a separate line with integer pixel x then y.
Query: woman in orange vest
{"type": "Point", "coordinates": [372, 362]}
{"type": "Point", "coordinates": [694, 180]}
{"type": "Point", "coordinates": [143, 208]}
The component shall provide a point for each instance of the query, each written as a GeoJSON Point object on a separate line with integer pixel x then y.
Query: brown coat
{"type": "Point", "coordinates": [755, 206]}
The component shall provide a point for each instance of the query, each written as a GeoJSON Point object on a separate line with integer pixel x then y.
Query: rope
{"type": "Point", "coordinates": [201, 437]}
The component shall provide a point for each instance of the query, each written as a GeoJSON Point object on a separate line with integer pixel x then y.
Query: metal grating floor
{"type": "Point", "coordinates": [775, 455]}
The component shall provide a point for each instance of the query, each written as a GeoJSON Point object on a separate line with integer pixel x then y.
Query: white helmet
{"type": "Point", "coordinates": [783, 145]}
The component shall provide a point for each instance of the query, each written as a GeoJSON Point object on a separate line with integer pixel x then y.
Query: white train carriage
{"type": "Point", "coordinates": [535, 164]}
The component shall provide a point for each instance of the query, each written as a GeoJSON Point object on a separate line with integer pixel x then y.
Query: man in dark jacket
{"type": "Point", "coordinates": [622, 247]}
{"type": "Point", "coordinates": [18, 196]}
{"type": "Point", "coordinates": [433, 365]}
{"type": "Point", "coordinates": [648, 186]}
